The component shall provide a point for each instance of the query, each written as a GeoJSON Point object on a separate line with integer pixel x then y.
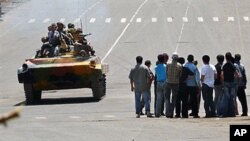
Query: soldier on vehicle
{"type": "Point", "coordinates": [83, 45]}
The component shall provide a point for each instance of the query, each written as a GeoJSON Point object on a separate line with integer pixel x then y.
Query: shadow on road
{"type": "Point", "coordinates": [57, 101]}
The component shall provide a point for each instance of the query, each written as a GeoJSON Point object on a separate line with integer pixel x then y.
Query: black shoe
{"type": "Point", "coordinates": [244, 115]}
{"type": "Point", "coordinates": [177, 116]}
{"type": "Point", "coordinates": [196, 116]}
{"type": "Point", "coordinates": [184, 116]}
{"type": "Point", "coordinates": [142, 113]}
{"type": "Point", "coordinates": [137, 115]}
{"type": "Point", "coordinates": [162, 114]}
{"type": "Point", "coordinates": [149, 115]}
{"type": "Point", "coordinates": [191, 114]}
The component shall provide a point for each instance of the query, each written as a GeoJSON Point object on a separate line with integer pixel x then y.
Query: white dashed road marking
{"type": "Point", "coordinates": [138, 20]}
{"type": "Point", "coordinates": [92, 20]}
{"type": "Point", "coordinates": [124, 30]}
{"type": "Point", "coordinates": [170, 19]}
{"type": "Point", "coordinates": [75, 117]}
{"type": "Point", "coordinates": [185, 19]}
{"type": "Point", "coordinates": [108, 20]}
{"type": "Point", "coordinates": [154, 20]}
{"type": "Point", "coordinates": [31, 20]}
{"type": "Point", "coordinates": [230, 19]}
{"type": "Point", "coordinates": [123, 20]}
{"type": "Point", "coordinates": [200, 19]}
{"type": "Point", "coordinates": [42, 118]}
{"type": "Point", "coordinates": [215, 19]}
{"type": "Point", "coordinates": [246, 19]}
{"type": "Point", "coordinates": [109, 116]}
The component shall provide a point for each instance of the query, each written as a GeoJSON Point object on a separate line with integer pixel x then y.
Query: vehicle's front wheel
{"type": "Point", "coordinates": [99, 88]}
{"type": "Point", "coordinates": [32, 96]}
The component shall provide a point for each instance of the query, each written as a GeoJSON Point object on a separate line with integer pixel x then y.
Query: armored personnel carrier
{"type": "Point", "coordinates": [67, 71]}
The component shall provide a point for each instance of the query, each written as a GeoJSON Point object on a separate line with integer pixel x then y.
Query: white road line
{"type": "Point", "coordinates": [246, 19]}
{"type": "Point", "coordinates": [230, 19]}
{"type": "Point", "coordinates": [170, 19]}
{"type": "Point", "coordinates": [215, 19]}
{"type": "Point", "coordinates": [42, 118]}
{"type": "Point", "coordinates": [154, 20]}
{"type": "Point", "coordinates": [182, 27]}
{"type": "Point", "coordinates": [92, 20]}
{"type": "Point", "coordinates": [124, 30]}
{"type": "Point", "coordinates": [138, 20]}
{"type": "Point", "coordinates": [109, 116]}
{"type": "Point", "coordinates": [91, 7]}
{"type": "Point", "coordinates": [31, 20]}
{"type": "Point", "coordinates": [62, 20]}
{"type": "Point", "coordinates": [200, 19]}
{"type": "Point", "coordinates": [107, 20]}
{"type": "Point", "coordinates": [74, 117]}
{"type": "Point", "coordinates": [46, 20]}
{"type": "Point", "coordinates": [123, 20]}
{"type": "Point", "coordinates": [184, 19]}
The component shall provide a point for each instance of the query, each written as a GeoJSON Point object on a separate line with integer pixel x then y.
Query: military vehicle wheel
{"type": "Point", "coordinates": [99, 88]}
{"type": "Point", "coordinates": [32, 96]}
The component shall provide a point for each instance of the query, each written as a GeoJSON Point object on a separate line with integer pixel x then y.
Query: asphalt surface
{"type": "Point", "coordinates": [121, 30]}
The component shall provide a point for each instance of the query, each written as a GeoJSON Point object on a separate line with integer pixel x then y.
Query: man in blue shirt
{"type": "Point", "coordinates": [161, 78]}
{"type": "Point", "coordinates": [192, 86]}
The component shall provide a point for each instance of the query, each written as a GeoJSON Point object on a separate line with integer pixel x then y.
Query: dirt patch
{"type": "Point", "coordinates": [7, 5]}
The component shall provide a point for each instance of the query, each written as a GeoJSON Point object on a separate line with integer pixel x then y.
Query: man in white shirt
{"type": "Point", "coordinates": [208, 75]}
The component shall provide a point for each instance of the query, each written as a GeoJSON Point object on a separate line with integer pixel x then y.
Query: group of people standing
{"type": "Point", "coordinates": [179, 86]}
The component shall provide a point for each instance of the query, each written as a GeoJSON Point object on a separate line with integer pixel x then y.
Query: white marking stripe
{"type": "Point", "coordinates": [216, 19]}
{"type": "Point", "coordinates": [108, 20]}
{"type": "Point", "coordinates": [230, 19]}
{"type": "Point", "coordinates": [138, 20]}
{"type": "Point", "coordinates": [41, 117]}
{"type": "Point", "coordinates": [75, 117]}
{"type": "Point", "coordinates": [123, 20]}
{"type": "Point", "coordinates": [154, 20]}
{"type": "Point", "coordinates": [185, 19]}
{"type": "Point", "coordinates": [200, 19]}
{"type": "Point", "coordinates": [170, 19]}
{"type": "Point", "coordinates": [62, 20]}
{"type": "Point", "coordinates": [46, 20]}
{"type": "Point", "coordinates": [246, 19]}
{"type": "Point", "coordinates": [109, 116]}
{"type": "Point", "coordinates": [31, 20]}
{"type": "Point", "coordinates": [92, 20]}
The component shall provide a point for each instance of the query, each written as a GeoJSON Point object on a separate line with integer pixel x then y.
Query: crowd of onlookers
{"type": "Point", "coordinates": [179, 86]}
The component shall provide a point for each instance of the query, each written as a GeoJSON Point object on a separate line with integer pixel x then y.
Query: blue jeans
{"type": "Point", "coordinates": [138, 96]}
{"type": "Point", "coordinates": [218, 92]}
{"type": "Point", "coordinates": [207, 94]}
{"type": "Point", "coordinates": [227, 103]}
{"type": "Point", "coordinates": [160, 91]}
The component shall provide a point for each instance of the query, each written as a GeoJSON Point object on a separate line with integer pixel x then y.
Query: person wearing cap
{"type": "Point", "coordinates": [83, 45]}
{"type": "Point", "coordinates": [174, 73]}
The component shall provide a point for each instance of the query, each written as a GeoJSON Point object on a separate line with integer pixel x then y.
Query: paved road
{"type": "Point", "coordinates": [121, 31]}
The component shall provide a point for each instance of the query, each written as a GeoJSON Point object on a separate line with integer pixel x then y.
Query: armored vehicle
{"type": "Point", "coordinates": [66, 71]}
